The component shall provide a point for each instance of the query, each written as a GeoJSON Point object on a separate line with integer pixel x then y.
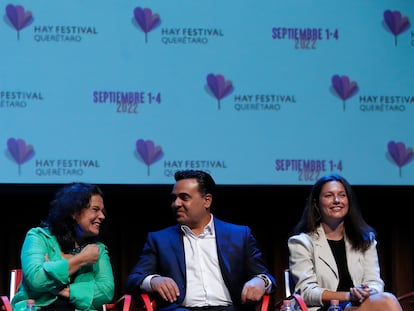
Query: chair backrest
{"type": "Point", "coordinates": [296, 299]}
{"type": "Point", "coordinates": [15, 280]}
{"type": "Point", "coordinates": [288, 291]}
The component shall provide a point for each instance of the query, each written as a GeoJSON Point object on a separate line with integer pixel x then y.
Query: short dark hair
{"type": "Point", "coordinates": [206, 183]}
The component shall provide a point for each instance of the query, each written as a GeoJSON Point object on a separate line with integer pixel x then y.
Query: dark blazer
{"type": "Point", "coordinates": [239, 257]}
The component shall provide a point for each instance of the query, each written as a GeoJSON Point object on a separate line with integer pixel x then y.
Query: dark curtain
{"type": "Point", "coordinates": [270, 211]}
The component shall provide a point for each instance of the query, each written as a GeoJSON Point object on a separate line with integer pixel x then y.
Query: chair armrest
{"type": "Point", "coordinates": [265, 302]}
{"type": "Point", "coordinates": [5, 303]}
{"type": "Point", "coordinates": [300, 302]}
{"type": "Point", "coordinates": [147, 302]}
{"type": "Point", "coordinates": [297, 302]}
{"type": "Point", "coordinates": [123, 303]}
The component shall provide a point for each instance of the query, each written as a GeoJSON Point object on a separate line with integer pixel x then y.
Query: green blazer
{"type": "Point", "coordinates": [90, 288]}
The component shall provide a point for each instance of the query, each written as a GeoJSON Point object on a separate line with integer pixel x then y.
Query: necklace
{"type": "Point", "coordinates": [77, 250]}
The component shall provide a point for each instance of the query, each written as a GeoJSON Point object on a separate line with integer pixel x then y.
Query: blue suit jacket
{"type": "Point", "coordinates": [238, 254]}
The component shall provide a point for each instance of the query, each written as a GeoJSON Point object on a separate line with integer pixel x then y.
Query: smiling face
{"type": "Point", "coordinates": [333, 202]}
{"type": "Point", "coordinates": [91, 217]}
{"type": "Point", "coordinates": [189, 205]}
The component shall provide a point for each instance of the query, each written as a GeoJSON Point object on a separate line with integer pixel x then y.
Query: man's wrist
{"type": "Point", "coordinates": [265, 279]}
{"type": "Point", "coordinates": [146, 283]}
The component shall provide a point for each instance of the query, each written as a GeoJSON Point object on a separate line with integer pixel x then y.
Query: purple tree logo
{"type": "Point", "coordinates": [396, 23]}
{"type": "Point", "coordinates": [148, 152]}
{"type": "Point", "coordinates": [146, 20]}
{"type": "Point", "coordinates": [344, 88]}
{"type": "Point", "coordinates": [219, 87]}
{"type": "Point", "coordinates": [399, 154]}
{"type": "Point", "coordinates": [19, 152]}
{"type": "Point", "coordinates": [18, 18]}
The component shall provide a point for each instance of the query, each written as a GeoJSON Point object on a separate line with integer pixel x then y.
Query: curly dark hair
{"type": "Point", "coordinates": [67, 201]}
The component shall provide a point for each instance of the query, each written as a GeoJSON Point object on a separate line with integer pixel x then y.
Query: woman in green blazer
{"type": "Point", "coordinates": [64, 265]}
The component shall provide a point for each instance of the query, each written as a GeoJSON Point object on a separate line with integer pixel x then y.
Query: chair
{"type": "Point", "coordinates": [147, 303]}
{"type": "Point", "coordinates": [406, 300]}
{"type": "Point", "coordinates": [296, 299]}
{"type": "Point", "coordinates": [123, 303]}
{"type": "Point", "coordinates": [15, 279]}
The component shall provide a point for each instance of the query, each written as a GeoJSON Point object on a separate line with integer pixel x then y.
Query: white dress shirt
{"type": "Point", "coordinates": [205, 284]}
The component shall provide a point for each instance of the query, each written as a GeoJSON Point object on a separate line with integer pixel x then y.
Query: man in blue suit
{"type": "Point", "coordinates": [202, 263]}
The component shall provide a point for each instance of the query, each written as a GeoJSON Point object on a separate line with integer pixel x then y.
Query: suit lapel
{"type": "Point", "coordinates": [222, 240]}
{"type": "Point", "coordinates": [176, 241]}
{"type": "Point", "coordinates": [324, 251]}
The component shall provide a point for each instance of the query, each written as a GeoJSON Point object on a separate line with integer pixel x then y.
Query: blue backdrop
{"type": "Point", "coordinates": [255, 92]}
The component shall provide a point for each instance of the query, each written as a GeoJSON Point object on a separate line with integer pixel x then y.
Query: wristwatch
{"type": "Point", "coordinates": [265, 279]}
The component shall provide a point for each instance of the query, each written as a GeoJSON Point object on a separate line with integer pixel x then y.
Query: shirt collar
{"type": "Point", "coordinates": [208, 229]}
